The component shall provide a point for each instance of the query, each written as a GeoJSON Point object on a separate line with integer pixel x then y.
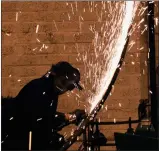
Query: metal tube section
{"type": "Point", "coordinates": [152, 65]}
{"type": "Point", "coordinates": [84, 123]}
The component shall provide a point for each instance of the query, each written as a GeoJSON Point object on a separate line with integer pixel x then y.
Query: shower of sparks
{"type": "Point", "coordinates": [16, 16]}
{"type": "Point", "coordinates": [115, 34]}
{"type": "Point", "coordinates": [37, 28]}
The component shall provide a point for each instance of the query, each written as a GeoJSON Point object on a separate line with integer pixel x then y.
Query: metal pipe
{"type": "Point", "coordinates": [116, 123]}
{"type": "Point", "coordinates": [152, 65]}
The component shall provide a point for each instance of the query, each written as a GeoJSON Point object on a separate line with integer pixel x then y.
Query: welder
{"type": "Point", "coordinates": [35, 121]}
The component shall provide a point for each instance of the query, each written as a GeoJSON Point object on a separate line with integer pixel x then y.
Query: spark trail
{"type": "Point", "coordinates": [108, 46]}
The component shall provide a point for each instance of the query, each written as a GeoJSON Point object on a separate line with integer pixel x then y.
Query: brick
{"type": "Point", "coordinates": [7, 91]}
{"type": "Point", "coordinates": [126, 92]}
{"type": "Point", "coordinates": [76, 58]}
{"type": "Point", "coordinates": [128, 80]}
{"type": "Point", "coordinates": [87, 5]}
{"type": "Point", "coordinates": [32, 6]}
{"type": "Point", "coordinates": [131, 69]}
{"type": "Point", "coordinates": [59, 6]}
{"type": "Point", "coordinates": [110, 133]}
{"type": "Point", "coordinates": [87, 25]}
{"type": "Point", "coordinates": [110, 148]}
{"type": "Point", "coordinates": [25, 71]}
{"type": "Point", "coordinates": [116, 127]}
{"type": "Point", "coordinates": [76, 37]}
{"type": "Point", "coordinates": [118, 114]}
{"type": "Point", "coordinates": [32, 17]}
{"type": "Point", "coordinates": [14, 83]}
{"type": "Point", "coordinates": [7, 49]}
{"type": "Point", "coordinates": [9, 27]}
{"type": "Point", "coordinates": [9, 6]}
{"type": "Point", "coordinates": [31, 27]}
{"type": "Point", "coordinates": [135, 57]}
{"type": "Point", "coordinates": [8, 17]}
{"type": "Point", "coordinates": [9, 39]}
{"type": "Point", "coordinates": [26, 38]}
{"type": "Point", "coordinates": [43, 37]}
{"type": "Point", "coordinates": [34, 60]}
{"type": "Point", "coordinates": [113, 103]}
{"type": "Point", "coordinates": [29, 49]}
{"type": "Point", "coordinates": [67, 26]}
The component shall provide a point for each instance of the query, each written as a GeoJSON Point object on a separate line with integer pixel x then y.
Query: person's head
{"type": "Point", "coordinates": [66, 77]}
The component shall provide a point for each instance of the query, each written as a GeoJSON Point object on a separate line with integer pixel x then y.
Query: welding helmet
{"type": "Point", "coordinates": [66, 76]}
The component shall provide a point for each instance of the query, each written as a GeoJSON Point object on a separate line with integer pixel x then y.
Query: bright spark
{"type": "Point", "coordinates": [55, 25]}
{"type": "Point", "coordinates": [8, 34]}
{"type": "Point", "coordinates": [119, 104]}
{"type": "Point", "coordinates": [37, 40]}
{"type": "Point", "coordinates": [11, 118]}
{"type": "Point", "coordinates": [37, 28]}
{"type": "Point", "coordinates": [34, 49]}
{"type": "Point", "coordinates": [150, 91]}
{"type": "Point", "coordinates": [132, 62]}
{"type": "Point", "coordinates": [16, 16]}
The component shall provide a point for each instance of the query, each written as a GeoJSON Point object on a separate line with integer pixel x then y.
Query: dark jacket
{"type": "Point", "coordinates": [34, 110]}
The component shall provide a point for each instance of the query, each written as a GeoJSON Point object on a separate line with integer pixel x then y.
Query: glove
{"type": "Point", "coordinates": [59, 121]}
{"type": "Point", "coordinates": [79, 115]}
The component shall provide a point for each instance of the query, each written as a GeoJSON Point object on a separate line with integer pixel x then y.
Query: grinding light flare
{"type": "Point", "coordinates": [116, 47]}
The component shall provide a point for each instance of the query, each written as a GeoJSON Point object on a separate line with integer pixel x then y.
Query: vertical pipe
{"type": "Point", "coordinates": [152, 66]}
{"type": "Point", "coordinates": [85, 140]}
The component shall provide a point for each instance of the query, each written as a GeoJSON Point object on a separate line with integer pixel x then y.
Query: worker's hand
{"type": "Point", "coordinates": [70, 117]}
{"type": "Point", "coordinates": [78, 115]}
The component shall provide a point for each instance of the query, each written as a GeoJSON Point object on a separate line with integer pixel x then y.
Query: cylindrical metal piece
{"type": "Point", "coordinates": [152, 65]}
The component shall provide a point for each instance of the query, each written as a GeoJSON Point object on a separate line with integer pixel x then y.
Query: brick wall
{"type": "Point", "coordinates": [60, 32]}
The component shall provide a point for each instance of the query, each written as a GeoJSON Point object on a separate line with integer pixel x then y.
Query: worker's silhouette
{"type": "Point", "coordinates": [34, 110]}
